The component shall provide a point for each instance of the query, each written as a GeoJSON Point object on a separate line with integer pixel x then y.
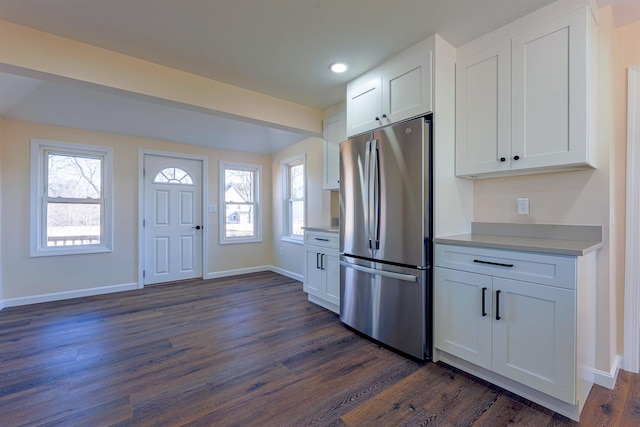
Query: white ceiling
{"type": "Point", "coordinates": [281, 48]}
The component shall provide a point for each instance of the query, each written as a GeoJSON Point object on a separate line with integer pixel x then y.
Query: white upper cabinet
{"type": "Point", "coordinates": [550, 94]}
{"type": "Point", "coordinates": [364, 106]}
{"type": "Point", "coordinates": [406, 89]}
{"type": "Point", "coordinates": [333, 133]}
{"type": "Point", "coordinates": [483, 99]}
{"type": "Point", "coordinates": [523, 104]}
{"type": "Point", "coordinates": [397, 90]}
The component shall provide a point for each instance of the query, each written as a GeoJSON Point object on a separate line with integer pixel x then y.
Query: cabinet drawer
{"type": "Point", "coordinates": [552, 270]}
{"type": "Point", "coordinates": [326, 240]}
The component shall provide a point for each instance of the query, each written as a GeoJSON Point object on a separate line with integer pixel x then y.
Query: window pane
{"type": "Point", "coordinates": [173, 176]}
{"type": "Point", "coordinates": [238, 186]}
{"type": "Point", "coordinates": [239, 220]}
{"type": "Point", "coordinates": [74, 176]}
{"type": "Point", "coordinates": [73, 224]}
{"type": "Point", "coordinates": [297, 217]}
{"type": "Point", "coordinates": [297, 181]}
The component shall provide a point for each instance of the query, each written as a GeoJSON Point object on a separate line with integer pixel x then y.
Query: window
{"type": "Point", "coordinates": [71, 198]}
{"type": "Point", "coordinates": [293, 191]}
{"type": "Point", "coordinates": [173, 176]}
{"type": "Point", "coordinates": [240, 203]}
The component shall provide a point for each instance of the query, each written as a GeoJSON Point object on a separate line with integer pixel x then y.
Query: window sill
{"type": "Point", "coordinates": [41, 252]}
{"type": "Point", "coordinates": [240, 240]}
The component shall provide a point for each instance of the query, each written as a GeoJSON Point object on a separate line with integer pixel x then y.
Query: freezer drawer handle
{"type": "Point", "coordinates": [400, 276]}
{"type": "Point", "coordinates": [479, 261]}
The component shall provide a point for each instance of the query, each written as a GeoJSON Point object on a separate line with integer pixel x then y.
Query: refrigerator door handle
{"type": "Point", "coordinates": [391, 274]}
{"type": "Point", "coordinates": [367, 162]}
{"type": "Point", "coordinates": [376, 196]}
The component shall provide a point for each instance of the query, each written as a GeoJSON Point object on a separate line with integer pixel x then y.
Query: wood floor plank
{"type": "Point", "coordinates": [606, 406]}
{"type": "Point", "coordinates": [245, 350]}
{"type": "Point", "coordinates": [506, 411]}
{"type": "Point", "coordinates": [631, 412]}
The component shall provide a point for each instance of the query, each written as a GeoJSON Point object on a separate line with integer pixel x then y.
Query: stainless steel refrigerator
{"type": "Point", "coordinates": [385, 230]}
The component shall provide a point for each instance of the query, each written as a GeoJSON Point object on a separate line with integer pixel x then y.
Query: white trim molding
{"type": "Point", "coordinates": [258, 269]}
{"type": "Point", "coordinates": [632, 269]}
{"type": "Point", "coordinates": [58, 296]}
{"type": "Point", "coordinates": [204, 179]}
{"type": "Point", "coordinates": [608, 379]}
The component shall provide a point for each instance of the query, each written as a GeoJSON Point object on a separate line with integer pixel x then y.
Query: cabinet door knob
{"type": "Point", "coordinates": [377, 119]}
{"type": "Point", "coordinates": [516, 157]}
{"type": "Point", "coordinates": [384, 116]}
{"type": "Point", "coordinates": [503, 159]}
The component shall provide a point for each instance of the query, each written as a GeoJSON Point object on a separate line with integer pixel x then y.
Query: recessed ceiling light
{"type": "Point", "coordinates": [338, 67]}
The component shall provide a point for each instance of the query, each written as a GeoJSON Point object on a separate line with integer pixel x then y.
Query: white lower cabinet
{"type": "Point", "coordinates": [511, 318]}
{"type": "Point", "coordinates": [322, 269]}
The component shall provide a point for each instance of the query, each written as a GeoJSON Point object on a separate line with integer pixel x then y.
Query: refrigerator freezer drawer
{"type": "Point", "coordinates": [386, 305]}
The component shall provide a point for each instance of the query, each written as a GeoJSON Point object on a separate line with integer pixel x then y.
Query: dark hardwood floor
{"type": "Point", "coordinates": [247, 350]}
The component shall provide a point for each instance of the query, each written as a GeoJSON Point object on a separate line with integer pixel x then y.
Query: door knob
{"type": "Point", "coordinates": [197, 227]}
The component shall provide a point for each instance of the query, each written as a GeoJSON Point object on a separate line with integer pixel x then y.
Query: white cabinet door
{"type": "Point", "coordinates": [331, 265]}
{"type": "Point", "coordinates": [534, 336]}
{"type": "Point", "coordinates": [314, 277]}
{"type": "Point", "coordinates": [483, 104]}
{"type": "Point", "coordinates": [463, 315]}
{"type": "Point", "coordinates": [550, 94]}
{"type": "Point", "coordinates": [406, 89]}
{"type": "Point", "coordinates": [333, 132]}
{"type": "Point", "coordinates": [364, 106]}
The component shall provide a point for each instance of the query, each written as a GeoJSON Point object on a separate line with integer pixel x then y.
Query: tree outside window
{"type": "Point", "coordinates": [240, 203]}
{"type": "Point", "coordinates": [71, 198]}
{"type": "Point", "coordinates": [294, 197]}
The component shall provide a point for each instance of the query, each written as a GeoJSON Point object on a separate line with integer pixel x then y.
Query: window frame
{"type": "Point", "coordinates": [287, 224]}
{"type": "Point", "coordinates": [38, 197]}
{"type": "Point", "coordinates": [257, 204]}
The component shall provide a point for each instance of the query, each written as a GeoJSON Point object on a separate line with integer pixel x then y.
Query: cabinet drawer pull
{"type": "Point", "coordinates": [479, 261]}
{"type": "Point", "coordinates": [497, 305]}
{"type": "Point", "coordinates": [321, 239]}
{"type": "Point", "coordinates": [484, 293]}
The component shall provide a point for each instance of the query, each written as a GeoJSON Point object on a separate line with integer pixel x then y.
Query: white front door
{"type": "Point", "coordinates": [172, 219]}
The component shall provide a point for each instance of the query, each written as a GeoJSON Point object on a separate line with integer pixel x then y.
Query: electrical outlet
{"type": "Point", "coordinates": [523, 206]}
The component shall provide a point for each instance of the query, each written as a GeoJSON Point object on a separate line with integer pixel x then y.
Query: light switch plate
{"type": "Point", "coordinates": [213, 209]}
{"type": "Point", "coordinates": [523, 206]}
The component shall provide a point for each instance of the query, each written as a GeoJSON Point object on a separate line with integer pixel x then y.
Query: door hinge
{"type": "Point", "coordinates": [144, 273]}
{"type": "Point", "coordinates": [144, 223]}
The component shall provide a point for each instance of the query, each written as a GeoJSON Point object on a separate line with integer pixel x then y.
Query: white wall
{"type": "Point", "coordinates": [25, 278]}
{"type": "Point", "coordinates": [286, 255]}
{"type": "Point", "coordinates": [453, 197]}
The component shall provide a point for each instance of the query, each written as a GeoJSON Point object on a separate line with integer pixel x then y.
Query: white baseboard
{"type": "Point", "coordinates": [57, 296]}
{"type": "Point", "coordinates": [289, 274]}
{"type": "Point", "coordinates": [608, 379]}
{"type": "Point", "coordinates": [227, 273]}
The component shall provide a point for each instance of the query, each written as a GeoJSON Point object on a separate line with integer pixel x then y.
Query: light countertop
{"type": "Point", "coordinates": [323, 229]}
{"type": "Point", "coordinates": [574, 240]}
